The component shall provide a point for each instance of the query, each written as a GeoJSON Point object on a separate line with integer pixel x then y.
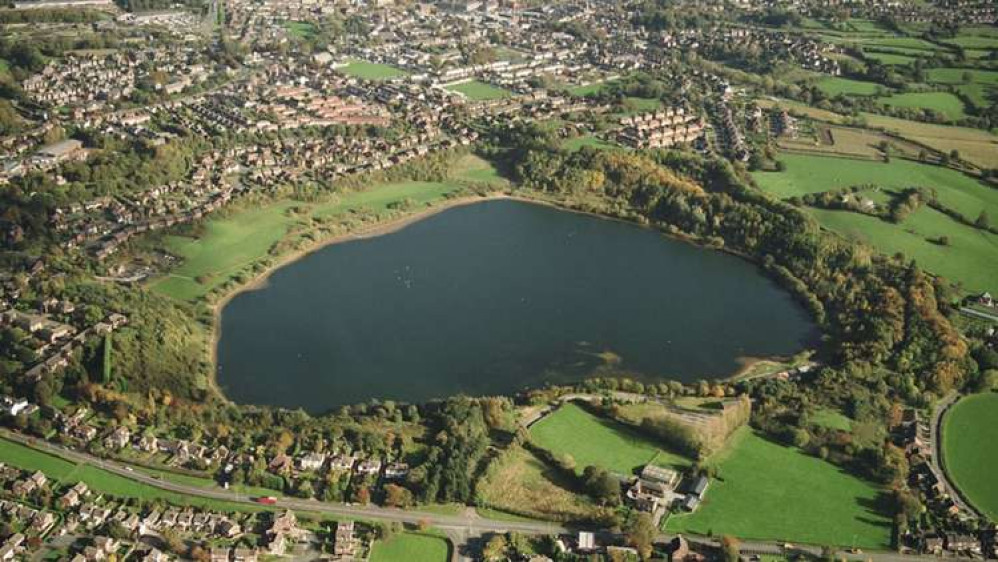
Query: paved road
{"type": "Point", "coordinates": [979, 314]}
{"type": "Point", "coordinates": [464, 523]}
{"type": "Point", "coordinates": [937, 452]}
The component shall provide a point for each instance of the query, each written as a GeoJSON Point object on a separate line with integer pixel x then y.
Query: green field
{"type": "Point", "coordinates": [969, 258]}
{"type": "Point", "coordinates": [890, 58]}
{"type": "Point", "coordinates": [770, 492]}
{"type": "Point", "coordinates": [834, 86]}
{"type": "Point", "coordinates": [411, 547]}
{"type": "Point", "coordinates": [234, 241]}
{"type": "Point", "coordinates": [574, 144]}
{"type": "Point", "coordinates": [943, 102]}
{"type": "Point", "coordinates": [476, 169]}
{"type": "Point", "coordinates": [970, 449]}
{"type": "Point", "coordinates": [102, 481]}
{"type": "Point", "coordinates": [371, 70]}
{"type": "Point", "coordinates": [831, 419]}
{"type": "Point", "coordinates": [301, 29]}
{"type": "Point", "coordinates": [814, 174]}
{"type": "Point", "coordinates": [476, 90]}
{"type": "Point", "coordinates": [590, 89]}
{"type": "Point", "coordinates": [955, 75]}
{"type": "Point", "coordinates": [593, 440]}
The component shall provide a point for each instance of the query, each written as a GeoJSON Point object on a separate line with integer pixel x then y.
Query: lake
{"type": "Point", "coordinates": [495, 297]}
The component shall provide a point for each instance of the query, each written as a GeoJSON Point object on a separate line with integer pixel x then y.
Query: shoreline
{"type": "Point", "coordinates": [395, 224]}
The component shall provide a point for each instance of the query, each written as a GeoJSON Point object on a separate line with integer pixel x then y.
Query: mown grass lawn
{"type": "Point", "coordinates": [943, 102]}
{"type": "Point", "coordinates": [970, 449]}
{"type": "Point", "coordinates": [65, 472]}
{"type": "Point", "coordinates": [770, 492]}
{"type": "Point", "coordinates": [593, 440]}
{"type": "Point", "coordinates": [231, 242]}
{"type": "Point", "coordinates": [477, 90]}
{"type": "Point", "coordinates": [371, 70]}
{"type": "Point", "coordinates": [411, 547]}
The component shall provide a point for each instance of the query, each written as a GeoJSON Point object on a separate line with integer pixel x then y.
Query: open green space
{"type": "Point", "coordinates": [970, 449]}
{"type": "Point", "coordinates": [233, 241]}
{"type": "Point", "coordinates": [65, 472]}
{"type": "Point", "coordinates": [943, 102]}
{"type": "Point", "coordinates": [518, 484]}
{"type": "Point", "coordinates": [411, 547]}
{"type": "Point", "coordinates": [477, 90]}
{"type": "Point", "coordinates": [813, 174]}
{"type": "Point", "coordinates": [962, 76]}
{"type": "Point", "coordinates": [968, 258]}
{"type": "Point", "coordinates": [767, 491]}
{"type": "Point", "coordinates": [834, 85]}
{"type": "Point", "coordinates": [593, 440]}
{"type": "Point", "coordinates": [889, 58]}
{"type": "Point", "coordinates": [831, 419]}
{"type": "Point", "coordinates": [371, 70]}
{"type": "Point", "coordinates": [301, 29]}
{"type": "Point", "coordinates": [476, 169]}
{"type": "Point", "coordinates": [576, 143]}
{"type": "Point", "coordinates": [590, 89]}
{"type": "Point", "coordinates": [975, 145]}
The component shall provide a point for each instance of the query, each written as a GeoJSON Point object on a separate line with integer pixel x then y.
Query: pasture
{"type": "Point", "coordinates": [970, 449]}
{"type": "Point", "coordinates": [233, 241]}
{"type": "Point", "coordinates": [969, 258]}
{"type": "Point", "coordinates": [411, 547]}
{"type": "Point", "coordinates": [975, 146]}
{"type": "Point", "coordinates": [962, 76]}
{"type": "Point", "coordinates": [592, 440]}
{"type": "Point", "coordinates": [477, 90]}
{"type": "Point", "coordinates": [833, 86]}
{"type": "Point", "coordinates": [371, 70]}
{"type": "Point", "coordinates": [814, 174]}
{"type": "Point", "coordinates": [943, 102]}
{"type": "Point", "coordinates": [766, 491]}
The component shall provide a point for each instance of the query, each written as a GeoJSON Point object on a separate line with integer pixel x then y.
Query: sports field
{"type": "Point", "coordinates": [65, 472]}
{"type": "Point", "coordinates": [943, 102]}
{"type": "Point", "coordinates": [593, 440]}
{"type": "Point", "coordinates": [371, 70]}
{"type": "Point", "coordinates": [834, 86]}
{"type": "Point", "coordinates": [970, 449]}
{"type": "Point", "coordinates": [411, 547]}
{"type": "Point", "coordinates": [476, 90]}
{"type": "Point", "coordinates": [234, 241]}
{"type": "Point", "coordinates": [770, 492]}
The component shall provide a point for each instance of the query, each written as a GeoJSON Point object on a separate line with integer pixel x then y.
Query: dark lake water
{"type": "Point", "coordinates": [492, 298]}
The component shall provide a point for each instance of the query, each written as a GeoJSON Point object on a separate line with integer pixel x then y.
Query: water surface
{"type": "Point", "coordinates": [494, 297]}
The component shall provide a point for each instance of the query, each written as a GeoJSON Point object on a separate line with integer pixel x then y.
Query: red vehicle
{"type": "Point", "coordinates": [267, 500]}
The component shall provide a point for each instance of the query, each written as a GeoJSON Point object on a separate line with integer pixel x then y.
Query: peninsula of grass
{"type": "Point", "coordinates": [371, 70]}
{"type": "Point", "coordinates": [66, 473]}
{"type": "Point", "coordinates": [411, 547]}
{"type": "Point", "coordinates": [593, 440]}
{"type": "Point", "coordinates": [765, 491]}
{"type": "Point", "coordinates": [233, 241]}
{"type": "Point", "coordinates": [970, 449]}
{"type": "Point", "coordinates": [477, 90]}
{"type": "Point", "coordinates": [942, 102]}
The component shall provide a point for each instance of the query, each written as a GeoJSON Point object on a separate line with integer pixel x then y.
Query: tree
{"type": "Point", "coordinates": [983, 220]}
{"type": "Point", "coordinates": [601, 485]}
{"type": "Point", "coordinates": [640, 534]}
{"type": "Point", "coordinates": [495, 549]}
{"type": "Point", "coordinates": [730, 549]}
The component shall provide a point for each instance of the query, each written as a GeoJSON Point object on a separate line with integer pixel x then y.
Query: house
{"type": "Point", "coordinates": [587, 541]}
{"type": "Point", "coordinates": [963, 543]}
{"type": "Point", "coordinates": [344, 544]}
{"type": "Point", "coordinates": [311, 461]}
{"type": "Point", "coordinates": [118, 438]}
{"type": "Point", "coordinates": [244, 555]}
